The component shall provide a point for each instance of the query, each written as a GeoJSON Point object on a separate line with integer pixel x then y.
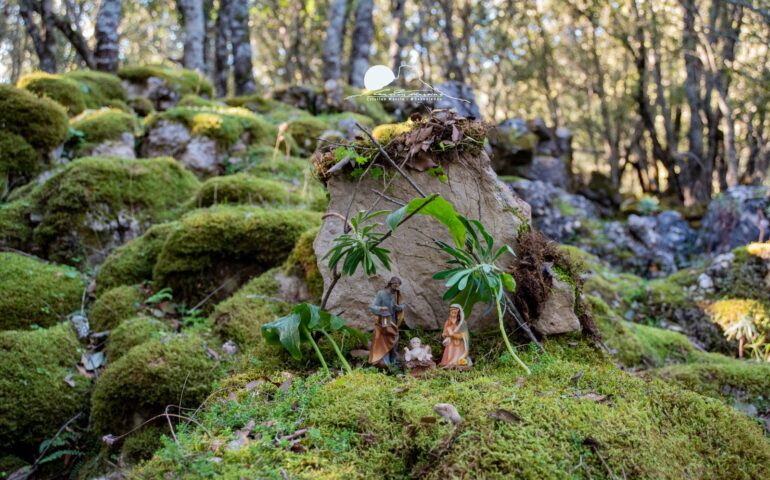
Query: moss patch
{"type": "Point", "coordinates": [273, 111]}
{"type": "Point", "coordinates": [182, 80]}
{"type": "Point", "coordinates": [543, 426]}
{"type": "Point", "coordinates": [133, 262]}
{"type": "Point", "coordinates": [150, 377]}
{"type": "Point", "coordinates": [34, 398]}
{"type": "Point", "coordinates": [76, 90]}
{"type": "Point", "coordinates": [226, 125]}
{"type": "Point", "coordinates": [306, 131]}
{"type": "Point", "coordinates": [303, 263]}
{"type": "Point", "coordinates": [220, 247]}
{"type": "Point", "coordinates": [114, 306]}
{"type": "Point", "coordinates": [246, 189]}
{"type": "Point", "coordinates": [102, 125]}
{"type": "Point", "coordinates": [36, 292]}
{"type": "Point", "coordinates": [132, 332]}
{"type": "Point", "coordinates": [17, 158]}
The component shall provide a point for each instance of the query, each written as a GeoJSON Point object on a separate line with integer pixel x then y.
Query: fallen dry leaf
{"type": "Point", "coordinates": [505, 416]}
{"type": "Point", "coordinates": [592, 396]}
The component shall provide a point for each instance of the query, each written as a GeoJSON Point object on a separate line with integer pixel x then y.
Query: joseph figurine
{"type": "Point", "coordinates": [388, 315]}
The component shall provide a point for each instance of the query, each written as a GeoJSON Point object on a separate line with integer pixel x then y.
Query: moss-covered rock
{"type": "Point", "coordinates": [76, 90]}
{"type": "Point", "coordinates": [220, 248]}
{"type": "Point", "coordinates": [302, 263]}
{"type": "Point", "coordinates": [148, 378]}
{"type": "Point", "coordinates": [33, 292]}
{"type": "Point", "coordinates": [306, 132]}
{"type": "Point", "coordinates": [132, 332]}
{"type": "Point", "coordinates": [273, 111]}
{"type": "Point", "coordinates": [132, 263]}
{"type": "Point", "coordinates": [142, 106]}
{"type": "Point", "coordinates": [183, 81]}
{"type": "Point", "coordinates": [94, 204]}
{"type": "Point", "coordinates": [104, 124]}
{"type": "Point", "coordinates": [17, 159]}
{"type": "Point", "coordinates": [240, 317]}
{"type": "Point", "coordinates": [35, 399]}
{"type": "Point", "coordinates": [606, 423]}
{"type": "Point", "coordinates": [197, 101]}
{"type": "Point", "coordinates": [264, 161]}
{"type": "Point", "coordinates": [226, 125]}
{"type": "Point", "coordinates": [142, 444]}
{"type": "Point", "coordinates": [244, 188]}
{"type": "Point", "coordinates": [114, 306]}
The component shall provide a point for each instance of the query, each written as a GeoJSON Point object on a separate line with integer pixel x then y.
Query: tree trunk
{"type": "Point", "coordinates": [222, 49]}
{"type": "Point", "coordinates": [194, 34]}
{"type": "Point", "coordinates": [698, 171]}
{"type": "Point", "coordinates": [241, 44]}
{"type": "Point", "coordinates": [612, 144]}
{"type": "Point", "coordinates": [335, 35]}
{"type": "Point", "coordinates": [43, 39]}
{"type": "Point", "coordinates": [454, 70]}
{"type": "Point", "coordinates": [106, 32]}
{"type": "Point", "coordinates": [363, 32]}
{"type": "Point", "coordinates": [398, 10]}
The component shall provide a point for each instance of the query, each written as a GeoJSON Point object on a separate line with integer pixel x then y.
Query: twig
{"type": "Point", "coordinates": [390, 199]}
{"type": "Point", "coordinates": [390, 160]}
{"type": "Point", "coordinates": [521, 323]}
{"type": "Point", "coordinates": [59, 432]}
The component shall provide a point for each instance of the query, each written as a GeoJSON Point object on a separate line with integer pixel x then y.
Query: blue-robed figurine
{"type": "Point", "coordinates": [388, 315]}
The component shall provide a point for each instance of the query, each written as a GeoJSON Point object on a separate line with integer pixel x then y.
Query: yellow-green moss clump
{"type": "Point", "coordinates": [602, 423]}
{"type": "Point", "coordinates": [302, 263]}
{"type": "Point", "coordinates": [142, 106]}
{"type": "Point", "coordinates": [221, 247]}
{"type": "Point", "coordinates": [306, 131]}
{"type": "Point", "coordinates": [148, 378]}
{"type": "Point", "coordinates": [386, 132]}
{"type": "Point", "coordinates": [247, 189]}
{"type": "Point", "coordinates": [226, 125]}
{"type": "Point", "coordinates": [182, 80]}
{"type": "Point", "coordinates": [264, 161]}
{"type": "Point", "coordinates": [273, 111]}
{"type": "Point", "coordinates": [132, 263]}
{"type": "Point", "coordinates": [105, 124]}
{"type": "Point", "coordinates": [79, 208]}
{"type": "Point", "coordinates": [77, 90]}
{"type": "Point", "coordinates": [132, 332]}
{"type": "Point", "coordinates": [31, 128]}
{"type": "Point", "coordinates": [114, 306]}
{"type": "Point", "coordinates": [35, 292]}
{"type": "Point", "coordinates": [196, 101]}
{"type": "Point", "coordinates": [35, 400]}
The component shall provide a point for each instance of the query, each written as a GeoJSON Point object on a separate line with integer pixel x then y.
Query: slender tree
{"type": "Point", "coordinates": [107, 46]}
{"type": "Point", "coordinates": [398, 32]}
{"type": "Point", "coordinates": [363, 32]}
{"type": "Point", "coordinates": [194, 33]}
{"type": "Point", "coordinates": [241, 47]}
{"type": "Point", "coordinates": [43, 39]}
{"type": "Point", "coordinates": [222, 48]}
{"type": "Point", "coordinates": [335, 35]}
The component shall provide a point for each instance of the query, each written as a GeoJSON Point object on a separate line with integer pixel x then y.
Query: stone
{"type": "Point", "coordinates": [474, 190]}
{"type": "Point", "coordinates": [122, 148]}
{"type": "Point", "coordinates": [735, 218]}
{"type": "Point", "coordinates": [558, 313]}
{"type": "Point", "coordinates": [548, 169]}
{"type": "Point", "coordinates": [166, 138]}
{"type": "Point", "coordinates": [458, 96]}
{"type": "Point", "coordinates": [705, 283]}
{"type": "Point", "coordinates": [511, 144]}
{"type": "Point", "coordinates": [201, 155]}
{"type": "Point", "coordinates": [162, 94]}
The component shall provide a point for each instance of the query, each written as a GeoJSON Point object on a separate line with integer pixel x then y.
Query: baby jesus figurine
{"type": "Point", "coordinates": [418, 357]}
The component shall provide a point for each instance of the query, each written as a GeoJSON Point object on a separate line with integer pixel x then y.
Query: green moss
{"type": "Point", "coordinates": [306, 131]}
{"type": "Point", "coordinates": [101, 125]}
{"type": "Point", "coordinates": [15, 230]}
{"type": "Point", "coordinates": [667, 292]}
{"type": "Point", "coordinates": [184, 81]}
{"type": "Point", "coordinates": [17, 159]}
{"type": "Point", "coordinates": [75, 203]}
{"type": "Point", "coordinates": [223, 124]}
{"type": "Point", "coordinates": [148, 378]}
{"type": "Point", "coordinates": [247, 189]}
{"type": "Point", "coordinates": [565, 208]}
{"type": "Point", "coordinates": [114, 306]}
{"type": "Point", "coordinates": [142, 106]}
{"type": "Point", "coordinates": [132, 263]}
{"type": "Point", "coordinates": [512, 140]}
{"type": "Point", "coordinates": [264, 161]}
{"type": "Point", "coordinates": [34, 398]}
{"type": "Point", "coordinates": [372, 425]}
{"type": "Point", "coordinates": [41, 121]}
{"type": "Point", "coordinates": [303, 263]}
{"type": "Point", "coordinates": [100, 89]}
{"type": "Point", "coordinates": [227, 244]}
{"type": "Point", "coordinates": [10, 463]}
{"type": "Point", "coordinates": [140, 445]}
{"type": "Point", "coordinates": [35, 292]}
{"type": "Point", "coordinates": [386, 132]}
{"type": "Point", "coordinates": [240, 317]}
{"type": "Point", "coordinates": [56, 87]}
{"type": "Point", "coordinates": [361, 105]}
{"type": "Point", "coordinates": [273, 111]}
{"type": "Point", "coordinates": [196, 101]}
{"type": "Point", "coordinates": [132, 332]}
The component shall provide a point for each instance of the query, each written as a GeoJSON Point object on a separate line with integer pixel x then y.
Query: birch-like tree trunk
{"type": "Point", "coordinates": [107, 42]}
{"type": "Point", "coordinates": [398, 11]}
{"type": "Point", "coordinates": [194, 33]}
{"type": "Point", "coordinates": [335, 35]}
{"type": "Point", "coordinates": [241, 47]}
{"type": "Point", "coordinates": [43, 39]}
{"type": "Point", "coordinates": [222, 49]}
{"type": "Point", "coordinates": [363, 32]}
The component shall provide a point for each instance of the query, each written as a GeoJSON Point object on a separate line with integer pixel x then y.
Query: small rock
{"type": "Point", "coordinates": [448, 412]}
{"type": "Point", "coordinates": [705, 283]}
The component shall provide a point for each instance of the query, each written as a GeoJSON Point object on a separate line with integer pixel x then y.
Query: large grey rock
{"type": "Point", "coordinates": [548, 169]}
{"type": "Point", "coordinates": [459, 97]}
{"type": "Point", "coordinates": [474, 190]}
{"type": "Point", "coordinates": [558, 313]}
{"type": "Point", "coordinates": [512, 144]}
{"type": "Point", "coordinates": [201, 155]}
{"type": "Point", "coordinates": [735, 218]}
{"type": "Point", "coordinates": [166, 139]}
{"type": "Point", "coordinates": [162, 94]}
{"type": "Point", "coordinates": [560, 215]}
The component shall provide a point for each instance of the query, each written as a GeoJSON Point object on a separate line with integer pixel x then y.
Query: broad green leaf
{"type": "Point", "coordinates": [508, 282]}
{"type": "Point", "coordinates": [438, 208]}
{"type": "Point", "coordinates": [286, 332]}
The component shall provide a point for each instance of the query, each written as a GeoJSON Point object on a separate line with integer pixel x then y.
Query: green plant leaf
{"type": "Point", "coordinates": [285, 332]}
{"type": "Point", "coordinates": [438, 208]}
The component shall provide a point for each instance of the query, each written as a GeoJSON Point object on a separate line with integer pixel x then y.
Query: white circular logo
{"type": "Point", "coordinates": [377, 77]}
